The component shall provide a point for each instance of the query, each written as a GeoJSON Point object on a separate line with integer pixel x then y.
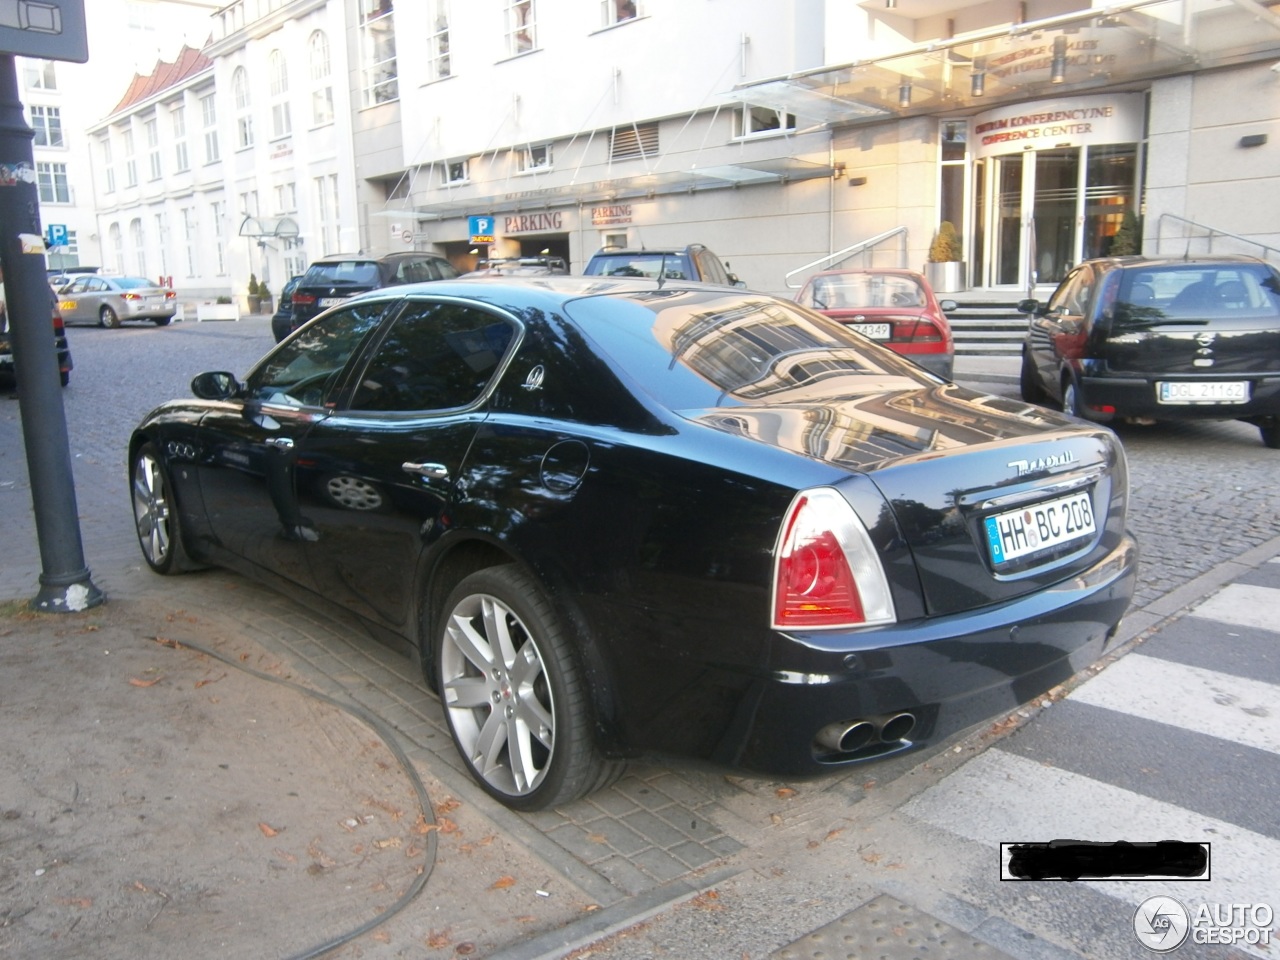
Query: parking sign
{"type": "Point", "coordinates": [481, 229]}
{"type": "Point", "coordinates": [55, 235]}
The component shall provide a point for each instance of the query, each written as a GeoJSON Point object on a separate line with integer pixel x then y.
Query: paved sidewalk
{"type": "Point", "coordinates": [152, 791]}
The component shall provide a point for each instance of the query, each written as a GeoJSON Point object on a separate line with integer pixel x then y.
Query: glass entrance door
{"type": "Point", "coordinates": [1055, 212]}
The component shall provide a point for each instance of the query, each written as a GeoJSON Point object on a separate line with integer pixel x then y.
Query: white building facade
{"type": "Point", "coordinates": [786, 135]}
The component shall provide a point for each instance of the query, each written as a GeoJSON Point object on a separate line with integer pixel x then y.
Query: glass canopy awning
{"type": "Point", "coordinates": [1080, 51]}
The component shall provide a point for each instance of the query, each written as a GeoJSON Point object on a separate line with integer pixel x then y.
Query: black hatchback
{"type": "Point", "coordinates": [1160, 339]}
{"type": "Point", "coordinates": [331, 280]}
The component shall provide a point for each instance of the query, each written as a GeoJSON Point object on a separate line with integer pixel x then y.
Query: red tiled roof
{"type": "Point", "coordinates": [189, 62]}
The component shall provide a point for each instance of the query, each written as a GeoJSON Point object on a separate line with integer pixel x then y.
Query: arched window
{"type": "Point", "coordinates": [321, 83]}
{"type": "Point", "coordinates": [244, 115]}
{"type": "Point", "coordinates": [281, 125]}
{"type": "Point", "coordinates": [116, 238]}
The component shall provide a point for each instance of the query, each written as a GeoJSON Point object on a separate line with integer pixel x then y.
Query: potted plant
{"type": "Point", "coordinates": [221, 309]}
{"type": "Point", "coordinates": [945, 269]}
{"type": "Point", "coordinates": [254, 297]}
{"type": "Point", "coordinates": [264, 297]}
{"type": "Point", "coordinates": [1128, 236]}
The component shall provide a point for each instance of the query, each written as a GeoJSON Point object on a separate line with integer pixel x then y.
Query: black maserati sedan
{"type": "Point", "coordinates": [624, 517]}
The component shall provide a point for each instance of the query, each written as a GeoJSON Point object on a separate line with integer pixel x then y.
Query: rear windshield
{"type": "Point", "coordinates": [651, 265]}
{"type": "Point", "coordinates": [697, 350]}
{"type": "Point", "coordinates": [134, 283]}
{"type": "Point", "coordinates": [355, 272]}
{"type": "Point", "coordinates": [1195, 292]}
{"type": "Point", "coordinates": [862, 290]}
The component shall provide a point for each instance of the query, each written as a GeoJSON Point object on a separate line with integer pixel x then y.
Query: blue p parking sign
{"type": "Point", "coordinates": [481, 229]}
{"type": "Point", "coordinates": [56, 235]}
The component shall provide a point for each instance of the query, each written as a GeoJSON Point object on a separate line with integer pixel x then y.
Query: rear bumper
{"type": "Point", "coordinates": [1136, 397]}
{"type": "Point", "coordinates": [947, 673]}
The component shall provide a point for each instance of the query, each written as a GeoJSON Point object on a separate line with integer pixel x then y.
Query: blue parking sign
{"type": "Point", "coordinates": [56, 235]}
{"type": "Point", "coordinates": [481, 229]}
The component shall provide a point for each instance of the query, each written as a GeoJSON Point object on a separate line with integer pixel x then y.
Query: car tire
{"type": "Point", "coordinates": [1270, 435]}
{"type": "Point", "coordinates": [162, 321]}
{"type": "Point", "coordinates": [1029, 381]}
{"type": "Point", "coordinates": [280, 328]}
{"type": "Point", "coordinates": [108, 318]}
{"type": "Point", "coordinates": [155, 514]}
{"type": "Point", "coordinates": [506, 676]}
{"type": "Point", "coordinates": [1071, 399]}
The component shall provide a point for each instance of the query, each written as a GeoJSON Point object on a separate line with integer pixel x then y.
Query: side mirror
{"type": "Point", "coordinates": [218, 385]}
{"type": "Point", "coordinates": [1029, 306]}
{"type": "Point", "coordinates": [947, 306]}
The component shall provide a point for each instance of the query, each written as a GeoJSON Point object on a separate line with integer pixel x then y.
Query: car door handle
{"type": "Point", "coordinates": [435, 471]}
{"type": "Point", "coordinates": [281, 443]}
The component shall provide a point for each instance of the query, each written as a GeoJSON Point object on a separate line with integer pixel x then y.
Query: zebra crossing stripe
{"type": "Point", "coordinates": [1001, 797]}
{"type": "Point", "coordinates": [1245, 605]}
{"type": "Point", "coordinates": [1192, 698]}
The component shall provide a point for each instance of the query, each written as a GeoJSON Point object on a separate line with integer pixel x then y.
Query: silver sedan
{"type": "Point", "coordinates": [108, 301]}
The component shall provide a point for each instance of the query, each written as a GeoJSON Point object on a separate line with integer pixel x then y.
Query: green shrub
{"type": "Point", "coordinates": [1128, 238]}
{"type": "Point", "coordinates": [253, 285]}
{"type": "Point", "coordinates": [946, 244]}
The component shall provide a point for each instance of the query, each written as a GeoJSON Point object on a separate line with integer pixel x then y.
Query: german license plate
{"type": "Point", "coordinates": [876, 331]}
{"type": "Point", "coordinates": [332, 301]}
{"type": "Point", "coordinates": [1016, 533]}
{"type": "Point", "coordinates": [1202, 391]}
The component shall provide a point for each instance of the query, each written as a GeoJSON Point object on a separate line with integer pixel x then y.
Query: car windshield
{"type": "Point", "coordinates": [133, 283]}
{"type": "Point", "coordinates": [1199, 292]}
{"type": "Point", "coordinates": [645, 264]}
{"type": "Point", "coordinates": [696, 350]}
{"type": "Point", "coordinates": [851, 291]}
{"type": "Point", "coordinates": [353, 272]}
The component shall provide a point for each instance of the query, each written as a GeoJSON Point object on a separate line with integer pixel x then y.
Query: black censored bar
{"type": "Point", "coordinates": [1089, 860]}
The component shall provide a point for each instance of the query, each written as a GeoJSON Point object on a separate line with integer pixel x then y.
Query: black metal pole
{"type": "Point", "coordinates": [65, 586]}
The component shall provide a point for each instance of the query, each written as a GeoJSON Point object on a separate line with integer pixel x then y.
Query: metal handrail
{"type": "Point", "coordinates": [841, 255]}
{"type": "Point", "coordinates": [1267, 250]}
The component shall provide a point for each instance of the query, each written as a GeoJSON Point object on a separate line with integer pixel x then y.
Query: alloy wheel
{"type": "Point", "coordinates": [151, 509]}
{"type": "Point", "coordinates": [495, 688]}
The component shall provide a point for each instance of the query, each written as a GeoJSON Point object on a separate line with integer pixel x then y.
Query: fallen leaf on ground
{"type": "Point", "coordinates": [268, 830]}
{"type": "Point", "coordinates": [872, 857]}
{"type": "Point", "coordinates": [389, 843]}
{"type": "Point", "coordinates": [284, 855]}
{"type": "Point", "coordinates": [526, 918]}
{"type": "Point", "coordinates": [597, 838]}
{"type": "Point", "coordinates": [708, 900]}
{"type": "Point", "coordinates": [502, 883]}
{"type": "Point", "coordinates": [775, 818]}
{"type": "Point", "coordinates": [437, 939]}
{"type": "Point", "coordinates": [832, 834]}
{"type": "Point", "coordinates": [81, 902]}
{"type": "Point", "coordinates": [784, 792]}
{"type": "Point", "coordinates": [382, 936]}
{"type": "Point", "coordinates": [205, 683]}
{"type": "Point", "coordinates": [448, 805]}
{"type": "Point", "coordinates": [135, 682]}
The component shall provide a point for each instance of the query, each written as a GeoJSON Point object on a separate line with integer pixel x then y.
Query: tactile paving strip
{"type": "Point", "coordinates": [887, 929]}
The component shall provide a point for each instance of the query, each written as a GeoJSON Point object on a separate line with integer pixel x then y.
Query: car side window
{"type": "Point", "coordinates": [437, 356]}
{"type": "Point", "coordinates": [78, 286]}
{"type": "Point", "coordinates": [305, 370]}
{"type": "Point", "coordinates": [1072, 298]}
{"type": "Point", "coordinates": [96, 285]}
{"type": "Point", "coordinates": [709, 267]}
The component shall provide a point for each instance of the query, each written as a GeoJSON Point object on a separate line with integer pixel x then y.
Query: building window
{"type": "Point", "coordinates": [217, 210]}
{"type": "Point", "coordinates": [130, 161]}
{"type": "Point", "coordinates": [209, 110]}
{"type": "Point", "coordinates": [458, 171]}
{"type": "Point", "coordinates": [281, 124]}
{"type": "Point", "coordinates": [152, 130]}
{"type": "Point", "coordinates": [521, 27]}
{"type": "Point", "coordinates": [139, 244]}
{"type": "Point", "coordinates": [178, 119]}
{"type": "Point", "coordinates": [617, 11]}
{"type": "Point", "coordinates": [71, 249]}
{"type": "Point", "coordinates": [162, 243]}
{"type": "Point", "coordinates": [286, 197]}
{"type": "Point", "coordinates": [249, 203]}
{"type": "Point", "coordinates": [108, 167]}
{"type": "Point", "coordinates": [190, 239]}
{"type": "Point", "coordinates": [295, 259]}
{"type": "Point", "coordinates": [535, 158]}
{"type": "Point", "coordinates": [327, 212]}
{"type": "Point", "coordinates": [244, 108]}
{"type": "Point", "coordinates": [753, 120]}
{"type": "Point", "coordinates": [438, 41]}
{"type": "Point", "coordinates": [40, 75]}
{"type": "Point", "coordinates": [378, 52]}
{"type": "Point", "coordinates": [321, 86]}
{"type": "Point", "coordinates": [51, 179]}
{"type": "Point", "coordinates": [47, 123]}
{"type": "Point", "coordinates": [116, 240]}
{"type": "Point", "coordinates": [635, 141]}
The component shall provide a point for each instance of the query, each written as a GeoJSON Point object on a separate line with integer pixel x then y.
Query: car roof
{"type": "Point", "coordinates": [647, 251]}
{"type": "Point", "coordinates": [1209, 260]}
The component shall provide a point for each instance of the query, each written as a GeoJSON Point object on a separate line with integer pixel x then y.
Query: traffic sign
{"type": "Point", "coordinates": [55, 234]}
{"type": "Point", "coordinates": [49, 29]}
{"type": "Point", "coordinates": [481, 229]}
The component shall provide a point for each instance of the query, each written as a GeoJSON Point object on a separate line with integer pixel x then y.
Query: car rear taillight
{"type": "Point", "coordinates": [130, 296]}
{"type": "Point", "coordinates": [826, 572]}
{"type": "Point", "coordinates": [918, 336]}
{"type": "Point", "coordinates": [304, 299]}
{"type": "Point", "coordinates": [59, 328]}
{"type": "Point", "coordinates": [170, 294]}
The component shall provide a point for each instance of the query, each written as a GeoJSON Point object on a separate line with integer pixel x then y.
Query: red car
{"type": "Point", "coordinates": [894, 307]}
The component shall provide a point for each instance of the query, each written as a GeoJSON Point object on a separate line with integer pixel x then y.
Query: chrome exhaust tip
{"type": "Point", "coordinates": [897, 728]}
{"type": "Point", "coordinates": [846, 736]}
